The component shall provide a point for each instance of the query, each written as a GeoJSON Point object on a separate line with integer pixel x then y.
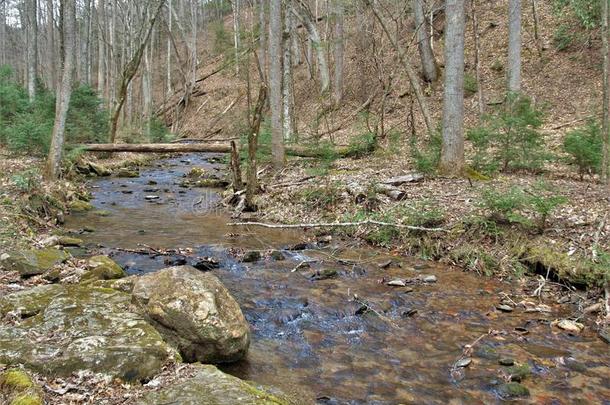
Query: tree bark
{"type": "Point", "coordinates": [514, 46]}
{"type": "Point", "coordinates": [452, 154]}
{"type": "Point", "coordinates": [339, 51]}
{"type": "Point", "coordinates": [53, 164]}
{"type": "Point", "coordinates": [275, 81]}
{"type": "Point", "coordinates": [262, 42]}
{"type": "Point", "coordinates": [429, 66]}
{"type": "Point", "coordinates": [605, 169]}
{"type": "Point", "coordinates": [477, 57]}
{"type": "Point", "coordinates": [252, 181]}
{"type": "Point", "coordinates": [304, 14]}
{"type": "Point", "coordinates": [32, 45]}
{"type": "Point", "coordinates": [287, 87]}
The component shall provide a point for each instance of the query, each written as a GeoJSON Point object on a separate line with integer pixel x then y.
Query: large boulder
{"type": "Point", "coordinates": [195, 313]}
{"type": "Point", "coordinates": [86, 328]}
{"type": "Point", "coordinates": [33, 262]}
{"type": "Point", "coordinates": [210, 386]}
{"type": "Point", "coordinates": [27, 303]}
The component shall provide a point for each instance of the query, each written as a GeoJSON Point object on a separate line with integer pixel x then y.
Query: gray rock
{"type": "Point", "coordinates": [397, 283]}
{"type": "Point", "coordinates": [407, 178]}
{"type": "Point", "coordinates": [210, 386]}
{"type": "Point", "coordinates": [86, 328]}
{"type": "Point", "coordinates": [195, 313]}
{"type": "Point", "coordinates": [429, 279]}
{"type": "Point", "coordinates": [33, 262]}
{"type": "Point", "coordinates": [504, 308]}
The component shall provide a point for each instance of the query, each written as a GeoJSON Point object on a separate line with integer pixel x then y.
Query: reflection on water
{"type": "Point", "coordinates": [312, 337]}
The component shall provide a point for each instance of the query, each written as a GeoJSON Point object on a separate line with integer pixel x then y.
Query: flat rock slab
{"type": "Point", "coordinates": [195, 313]}
{"type": "Point", "coordinates": [33, 262]}
{"type": "Point", "coordinates": [210, 386]}
{"type": "Point", "coordinates": [85, 328]}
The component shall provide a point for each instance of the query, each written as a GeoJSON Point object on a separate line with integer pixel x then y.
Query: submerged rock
{"type": "Point", "coordinates": [512, 390]}
{"type": "Point", "coordinates": [126, 172]}
{"type": "Point", "coordinates": [17, 388]}
{"type": "Point", "coordinates": [33, 262]}
{"type": "Point", "coordinates": [85, 328]}
{"type": "Point", "coordinates": [195, 313]}
{"type": "Point", "coordinates": [251, 256]}
{"type": "Point", "coordinates": [210, 386]}
{"type": "Point", "coordinates": [103, 268]}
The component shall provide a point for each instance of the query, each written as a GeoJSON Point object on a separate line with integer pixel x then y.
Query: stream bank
{"type": "Point", "coordinates": [334, 321]}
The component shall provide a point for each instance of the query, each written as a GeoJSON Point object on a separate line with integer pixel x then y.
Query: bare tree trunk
{"type": "Point", "coordinates": [236, 28]}
{"type": "Point", "coordinates": [51, 45]}
{"type": "Point", "coordinates": [32, 45]}
{"type": "Point", "coordinates": [411, 75]}
{"type": "Point", "coordinates": [275, 81]}
{"type": "Point", "coordinates": [304, 14]}
{"type": "Point", "coordinates": [605, 173]}
{"type": "Point", "coordinates": [477, 57]}
{"type": "Point", "coordinates": [131, 68]}
{"type": "Point", "coordinates": [101, 47]}
{"type": "Point", "coordinates": [296, 43]}
{"type": "Point", "coordinates": [536, 29]}
{"type": "Point", "coordinates": [262, 39]}
{"type": "Point", "coordinates": [452, 155]}
{"type": "Point", "coordinates": [53, 164]}
{"type": "Point", "coordinates": [252, 181]}
{"type": "Point", "coordinates": [339, 50]}
{"type": "Point", "coordinates": [429, 66]}
{"type": "Point", "coordinates": [147, 93]}
{"type": "Point", "coordinates": [287, 93]}
{"type": "Point", "coordinates": [514, 45]}
{"type": "Point", "coordinates": [88, 23]}
{"type": "Point", "coordinates": [169, 50]}
{"type": "Point", "coordinates": [3, 58]}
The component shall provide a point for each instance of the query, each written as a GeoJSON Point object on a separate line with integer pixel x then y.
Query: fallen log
{"type": "Point", "coordinates": [293, 150]}
{"type": "Point", "coordinates": [157, 147]}
{"type": "Point", "coordinates": [338, 224]}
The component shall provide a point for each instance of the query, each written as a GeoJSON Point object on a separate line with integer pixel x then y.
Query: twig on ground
{"type": "Point", "coordinates": [337, 224]}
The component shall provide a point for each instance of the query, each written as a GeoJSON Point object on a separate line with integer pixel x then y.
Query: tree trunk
{"type": "Point", "coordinates": [514, 46]}
{"type": "Point", "coordinates": [51, 45]}
{"type": "Point", "coordinates": [477, 57]}
{"type": "Point", "coordinates": [168, 66]}
{"type": "Point", "coordinates": [429, 67]}
{"type": "Point", "coordinates": [32, 45]}
{"type": "Point", "coordinates": [262, 42]}
{"type": "Point", "coordinates": [130, 70]}
{"type": "Point", "coordinates": [101, 47]}
{"type": "Point", "coordinates": [236, 44]}
{"type": "Point", "coordinates": [53, 164]}
{"type": "Point", "coordinates": [411, 75]}
{"type": "Point", "coordinates": [252, 181]}
{"type": "Point", "coordinates": [452, 154]}
{"type": "Point", "coordinates": [304, 14]}
{"type": "Point", "coordinates": [287, 87]}
{"type": "Point", "coordinates": [275, 81]}
{"type": "Point", "coordinates": [605, 172]}
{"type": "Point", "coordinates": [339, 50]}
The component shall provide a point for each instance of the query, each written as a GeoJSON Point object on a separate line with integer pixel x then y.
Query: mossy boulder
{"type": "Point", "coordinates": [102, 268]}
{"type": "Point", "coordinates": [80, 206]}
{"type": "Point", "coordinates": [69, 241]}
{"type": "Point", "coordinates": [29, 302]}
{"type": "Point", "coordinates": [17, 388]}
{"type": "Point", "coordinates": [99, 170]}
{"type": "Point", "coordinates": [127, 172]}
{"type": "Point", "coordinates": [87, 328]}
{"type": "Point", "coordinates": [33, 262]}
{"type": "Point", "coordinates": [210, 386]}
{"type": "Point", "coordinates": [195, 313]}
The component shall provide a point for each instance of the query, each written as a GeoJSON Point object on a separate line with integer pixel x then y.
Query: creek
{"type": "Point", "coordinates": [326, 326]}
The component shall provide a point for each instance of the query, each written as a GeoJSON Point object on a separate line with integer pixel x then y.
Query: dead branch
{"type": "Point", "coordinates": [338, 224]}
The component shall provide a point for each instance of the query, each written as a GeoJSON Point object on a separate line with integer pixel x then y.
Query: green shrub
{"type": "Point", "coordinates": [159, 131]}
{"type": "Point", "coordinates": [362, 145]}
{"type": "Point", "coordinates": [427, 159]}
{"type": "Point", "coordinates": [321, 197]}
{"type": "Point", "coordinates": [563, 37]}
{"type": "Point", "coordinates": [471, 86]}
{"type": "Point", "coordinates": [543, 201]}
{"type": "Point", "coordinates": [587, 13]}
{"type": "Point", "coordinates": [584, 145]}
{"type": "Point", "coordinates": [87, 119]}
{"type": "Point", "coordinates": [505, 206]}
{"type": "Point", "coordinates": [510, 137]}
{"type": "Point", "coordinates": [27, 180]}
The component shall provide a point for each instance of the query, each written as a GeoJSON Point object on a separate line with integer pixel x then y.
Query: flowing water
{"type": "Point", "coordinates": [349, 338]}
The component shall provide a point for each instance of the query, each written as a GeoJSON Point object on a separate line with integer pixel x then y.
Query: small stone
{"type": "Point", "coordinates": [409, 312]}
{"type": "Point", "coordinates": [604, 334]}
{"type": "Point", "coordinates": [593, 309]}
{"type": "Point", "coordinates": [80, 206]}
{"type": "Point", "coordinates": [151, 190]}
{"type": "Point", "coordinates": [151, 182]}
{"type": "Point", "coordinates": [324, 274]}
{"type": "Point", "coordinates": [151, 197]}
{"type": "Point", "coordinates": [461, 363]}
{"type": "Point", "coordinates": [101, 213]}
{"type": "Point", "coordinates": [429, 279]}
{"type": "Point", "coordinates": [125, 172]}
{"type": "Point", "coordinates": [397, 283]}
{"type": "Point", "coordinates": [512, 390]}
{"type": "Point", "coordinates": [277, 255]}
{"type": "Point", "coordinates": [504, 308]}
{"type": "Point", "coordinates": [69, 241]}
{"type": "Point", "coordinates": [570, 326]}
{"type": "Point", "coordinates": [251, 256]}
{"type": "Point", "coordinates": [506, 362]}
{"type": "Point", "coordinates": [385, 264]}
